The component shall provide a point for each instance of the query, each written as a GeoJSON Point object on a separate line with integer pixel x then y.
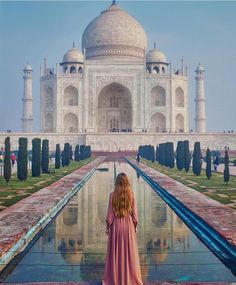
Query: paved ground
{"type": "Point", "coordinates": [221, 217]}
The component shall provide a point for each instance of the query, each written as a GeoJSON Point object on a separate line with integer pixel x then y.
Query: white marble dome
{"type": "Point", "coordinates": [28, 67]}
{"type": "Point", "coordinates": [155, 56]}
{"type": "Point", "coordinates": [114, 33]}
{"type": "Point", "coordinates": [73, 56]}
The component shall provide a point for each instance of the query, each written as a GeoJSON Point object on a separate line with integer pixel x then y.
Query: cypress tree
{"type": "Point", "coordinates": [67, 153]}
{"type": "Point", "coordinates": [58, 157]}
{"type": "Point", "coordinates": [197, 162]}
{"type": "Point", "coordinates": [63, 158]}
{"type": "Point", "coordinates": [180, 155]}
{"type": "Point", "coordinates": [36, 157]}
{"type": "Point", "coordinates": [171, 155]}
{"type": "Point", "coordinates": [152, 153]}
{"type": "Point", "coordinates": [82, 151]}
{"type": "Point", "coordinates": [187, 156]}
{"type": "Point", "coordinates": [157, 154]}
{"type": "Point", "coordinates": [208, 163]}
{"type": "Point", "coordinates": [7, 160]}
{"type": "Point", "coordinates": [77, 156]}
{"type": "Point", "coordinates": [71, 152]}
{"type": "Point", "coordinates": [226, 170]}
{"type": "Point", "coordinates": [22, 159]}
{"type": "Point", "coordinates": [167, 154]}
{"type": "Point", "coordinates": [45, 156]}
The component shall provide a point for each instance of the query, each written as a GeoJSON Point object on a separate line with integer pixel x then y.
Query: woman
{"type": "Point", "coordinates": [122, 260]}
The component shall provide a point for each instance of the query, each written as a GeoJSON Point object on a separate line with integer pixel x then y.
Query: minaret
{"type": "Point", "coordinates": [200, 119]}
{"type": "Point", "coordinates": [27, 119]}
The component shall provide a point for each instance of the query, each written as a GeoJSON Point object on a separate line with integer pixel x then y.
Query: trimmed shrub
{"type": "Point", "coordinates": [71, 152]}
{"type": "Point", "coordinates": [67, 153]}
{"type": "Point", "coordinates": [7, 160]}
{"type": "Point", "coordinates": [58, 157]}
{"type": "Point", "coordinates": [180, 155]}
{"type": "Point", "coordinates": [22, 159]}
{"type": "Point", "coordinates": [45, 156]}
{"type": "Point", "coordinates": [226, 170]}
{"type": "Point", "coordinates": [187, 156]}
{"type": "Point", "coordinates": [171, 155]}
{"type": "Point", "coordinates": [63, 158]}
{"type": "Point", "coordinates": [157, 154]}
{"type": "Point", "coordinates": [234, 162]}
{"type": "Point", "coordinates": [208, 163]}
{"type": "Point", "coordinates": [77, 156]}
{"type": "Point", "coordinates": [36, 157]}
{"type": "Point", "coordinates": [197, 159]}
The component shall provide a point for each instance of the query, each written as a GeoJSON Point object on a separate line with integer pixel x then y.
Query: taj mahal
{"type": "Point", "coordinates": [115, 94]}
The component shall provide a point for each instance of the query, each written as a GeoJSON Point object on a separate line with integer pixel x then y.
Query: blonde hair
{"type": "Point", "coordinates": [122, 196]}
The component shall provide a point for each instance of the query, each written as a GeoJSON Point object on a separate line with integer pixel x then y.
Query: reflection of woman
{"type": "Point", "coordinates": [122, 260]}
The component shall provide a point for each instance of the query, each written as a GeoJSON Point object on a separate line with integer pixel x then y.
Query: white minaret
{"type": "Point", "coordinates": [27, 119]}
{"type": "Point", "coordinates": [200, 119]}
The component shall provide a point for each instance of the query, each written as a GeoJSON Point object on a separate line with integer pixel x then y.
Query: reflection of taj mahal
{"type": "Point", "coordinates": [80, 228]}
{"type": "Point", "coordinates": [114, 85]}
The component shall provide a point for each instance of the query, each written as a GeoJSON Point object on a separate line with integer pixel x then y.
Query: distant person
{"type": "Point", "coordinates": [13, 159]}
{"type": "Point", "coordinates": [138, 157]}
{"type": "Point", "coordinates": [122, 265]}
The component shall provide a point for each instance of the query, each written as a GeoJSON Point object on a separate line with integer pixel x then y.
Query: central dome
{"type": "Point", "coordinates": [114, 33]}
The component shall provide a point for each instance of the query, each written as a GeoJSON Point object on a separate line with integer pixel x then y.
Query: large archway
{"type": "Point", "coordinates": [158, 123]}
{"type": "Point", "coordinates": [114, 109]}
{"type": "Point", "coordinates": [70, 123]}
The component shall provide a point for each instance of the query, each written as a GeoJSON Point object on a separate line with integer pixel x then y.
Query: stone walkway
{"type": "Point", "coordinates": [18, 221]}
{"type": "Point", "coordinates": [221, 217]}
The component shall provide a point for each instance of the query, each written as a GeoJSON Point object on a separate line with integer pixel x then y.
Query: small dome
{"type": "Point", "coordinates": [114, 33]}
{"type": "Point", "coordinates": [155, 56]}
{"type": "Point", "coordinates": [200, 68]}
{"type": "Point", "coordinates": [73, 56]}
{"type": "Point", "coordinates": [28, 67]}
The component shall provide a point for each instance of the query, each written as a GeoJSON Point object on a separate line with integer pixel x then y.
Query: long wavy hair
{"type": "Point", "coordinates": [123, 196]}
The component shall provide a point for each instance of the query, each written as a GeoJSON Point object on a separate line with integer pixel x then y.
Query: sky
{"type": "Point", "coordinates": [200, 32]}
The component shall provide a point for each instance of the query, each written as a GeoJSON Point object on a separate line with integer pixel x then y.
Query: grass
{"type": "Point", "coordinates": [210, 187]}
{"type": "Point", "coordinates": [21, 189]}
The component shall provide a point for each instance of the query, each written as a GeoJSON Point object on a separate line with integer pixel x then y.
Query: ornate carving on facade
{"type": "Point", "coordinates": [105, 80]}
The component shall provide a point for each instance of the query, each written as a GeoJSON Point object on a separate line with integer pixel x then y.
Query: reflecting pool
{"type": "Point", "coordinates": [73, 245]}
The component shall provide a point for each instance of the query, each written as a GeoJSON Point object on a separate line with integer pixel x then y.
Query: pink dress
{"type": "Point", "coordinates": [122, 265]}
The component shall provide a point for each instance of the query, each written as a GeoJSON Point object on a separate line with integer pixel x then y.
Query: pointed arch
{"type": "Point", "coordinates": [158, 96]}
{"type": "Point", "coordinates": [70, 123]}
{"type": "Point", "coordinates": [114, 108]}
{"type": "Point", "coordinates": [179, 122]}
{"type": "Point", "coordinates": [158, 123]}
{"type": "Point", "coordinates": [179, 97]}
{"type": "Point", "coordinates": [71, 97]}
{"type": "Point", "coordinates": [48, 123]}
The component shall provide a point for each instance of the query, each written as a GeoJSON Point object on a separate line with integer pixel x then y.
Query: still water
{"type": "Point", "coordinates": [73, 246]}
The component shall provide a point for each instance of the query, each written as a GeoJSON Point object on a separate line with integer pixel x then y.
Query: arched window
{"type": "Point", "coordinates": [158, 96]}
{"type": "Point", "coordinates": [65, 69]}
{"type": "Point", "coordinates": [71, 97]}
{"type": "Point", "coordinates": [158, 123]}
{"type": "Point", "coordinates": [70, 123]}
{"type": "Point", "coordinates": [163, 70]}
{"type": "Point", "coordinates": [179, 97]}
{"type": "Point", "coordinates": [179, 123]}
{"type": "Point", "coordinates": [149, 70]}
{"type": "Point", "coordinates": [49, 96]}
{"type": "Point", "coordinates": [72, 69]}
{"type": "Point", "coordinates": [80, 70]}
{"type": "Point", "coordinates": [156, 69]}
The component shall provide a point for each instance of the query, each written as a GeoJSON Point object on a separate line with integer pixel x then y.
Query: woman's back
{"type": "Point", "coordinates": [122, 265]}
